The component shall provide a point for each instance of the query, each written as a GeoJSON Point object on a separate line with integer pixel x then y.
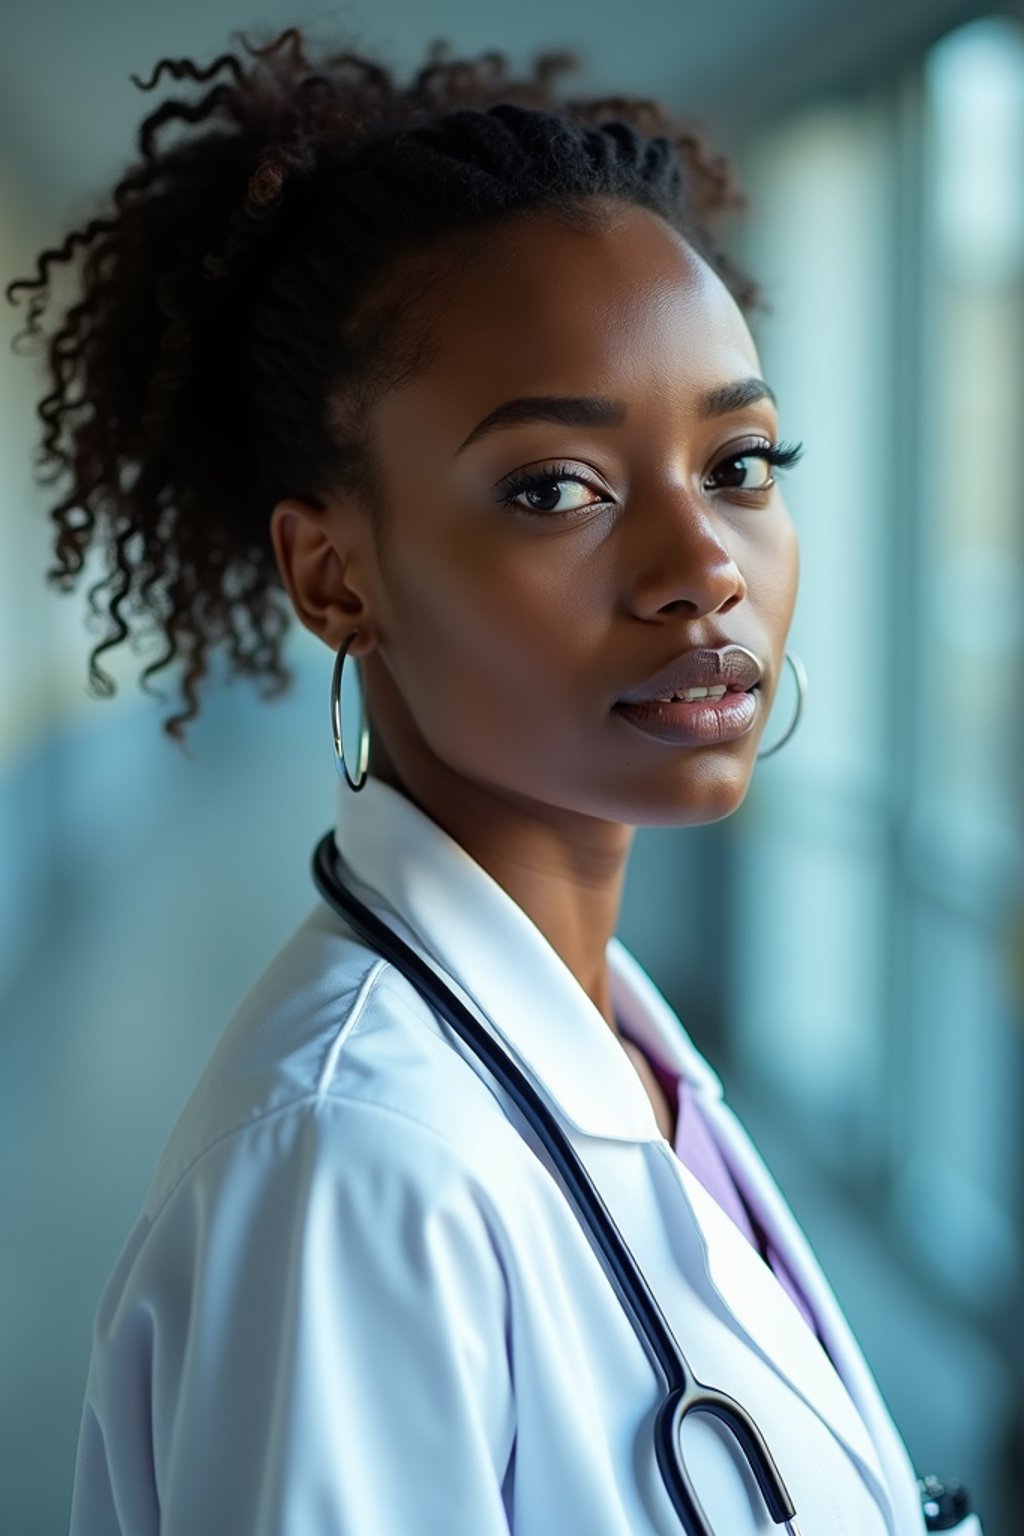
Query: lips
{"type": "Point", "coordinates": [733, 666]}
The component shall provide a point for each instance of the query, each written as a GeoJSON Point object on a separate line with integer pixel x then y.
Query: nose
{"type": "Point", "coordinates": [685, 564]}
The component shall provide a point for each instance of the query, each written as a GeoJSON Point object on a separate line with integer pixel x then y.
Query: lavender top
{"type": "Point", "coordinates": [696, 1147]}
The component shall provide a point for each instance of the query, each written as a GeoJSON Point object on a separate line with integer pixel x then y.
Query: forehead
{"type": "Point", "coordinates": [542, 306]}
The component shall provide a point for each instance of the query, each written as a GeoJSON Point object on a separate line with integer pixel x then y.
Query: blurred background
{"type": "Point", "coordinates": [848, 948]}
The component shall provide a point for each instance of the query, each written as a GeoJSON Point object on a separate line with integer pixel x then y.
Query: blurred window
{"type": "Point", "coordinates": [877, 859]}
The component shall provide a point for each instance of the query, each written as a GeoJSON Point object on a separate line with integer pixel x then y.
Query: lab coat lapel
{"type": "Point", "coordinates": [849, 1402]}
{"type": "Point", "coordinates": [778, 1331]}
{"type": "Point", "coordinates": [764, 1196]}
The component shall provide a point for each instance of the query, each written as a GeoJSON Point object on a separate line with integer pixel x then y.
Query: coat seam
{"type": "Point", "coordinates": [310, 1100]}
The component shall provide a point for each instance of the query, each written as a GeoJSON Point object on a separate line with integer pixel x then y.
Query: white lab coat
{"type": "Point", "coordinates": [356, 1303]}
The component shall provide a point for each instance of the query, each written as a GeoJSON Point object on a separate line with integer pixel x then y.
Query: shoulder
{"type": "Point", "coordinates": [334, 1046]}
{"type": "Point", "coordinates": [333, 1137]}
{"type": "Point", "coordinates": [317, 1221]}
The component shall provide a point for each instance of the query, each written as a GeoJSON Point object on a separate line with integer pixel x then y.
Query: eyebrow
{"type": "Point", "coordinates": [599, 411]}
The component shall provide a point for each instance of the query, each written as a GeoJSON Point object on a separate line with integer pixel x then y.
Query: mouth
{"type": "Point", "coordinates": [702, 716]}
{"type": "Point", "coordinates": [695, 695]}
{"type": "Point", "coordinates": [699, 674]}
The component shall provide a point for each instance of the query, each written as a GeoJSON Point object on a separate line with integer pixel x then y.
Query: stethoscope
{"type": "Point", "coordinates": [683, 1392]}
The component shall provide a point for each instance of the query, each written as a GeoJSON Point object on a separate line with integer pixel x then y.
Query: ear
{"type": "Point", "coordinates": [321, 551]}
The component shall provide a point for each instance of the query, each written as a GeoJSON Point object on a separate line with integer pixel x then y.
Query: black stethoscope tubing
{"type": "Point", "coordinates": [684, 1393]}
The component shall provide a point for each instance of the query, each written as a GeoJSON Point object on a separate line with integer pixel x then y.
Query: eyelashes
{"type": "Point", "coordinates": [532, 480]}
{"type": "Point", "coordinates": [778, 455]}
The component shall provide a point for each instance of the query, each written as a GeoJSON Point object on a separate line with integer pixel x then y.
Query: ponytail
{"type": "Point", "coordinates": [247, 297]}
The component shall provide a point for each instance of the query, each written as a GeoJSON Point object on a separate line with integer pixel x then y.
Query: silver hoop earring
{"type": "Point", "coordinates": [364, 724]}
{"type": "Point", "coordinates": [801, 697]}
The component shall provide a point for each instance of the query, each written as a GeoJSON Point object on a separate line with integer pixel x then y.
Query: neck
{"type": "Point", "coordinates": [565, 870]}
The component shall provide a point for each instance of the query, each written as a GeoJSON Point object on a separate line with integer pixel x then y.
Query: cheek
{"type": "Point", "coordinates": [773, 577]}
{"type": "Point", "coordinates": [490, 637]}
{"type": "Point", "coordinates": [792, 566]}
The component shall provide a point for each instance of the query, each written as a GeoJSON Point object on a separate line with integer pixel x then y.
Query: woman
{"type": "Point", "coordinates": [461, 370]}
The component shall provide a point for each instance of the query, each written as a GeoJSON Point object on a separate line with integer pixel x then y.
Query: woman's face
{"type": "Point", "coordinates": [510, 620]}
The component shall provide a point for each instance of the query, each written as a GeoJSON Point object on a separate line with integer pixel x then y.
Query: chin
{"type": "Point", "coordinates": [713, 791]}
{"type": "Point", "coordinates": [703, 786]}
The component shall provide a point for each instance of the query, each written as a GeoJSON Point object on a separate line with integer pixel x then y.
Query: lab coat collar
{"type": "Point", "coordinates": [449, 906]}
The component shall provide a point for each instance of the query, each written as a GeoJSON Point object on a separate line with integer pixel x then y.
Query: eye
{"type": "Point", "coordinates": [751, 468]}
{"type": "Point", "coordinates": [553, 492]}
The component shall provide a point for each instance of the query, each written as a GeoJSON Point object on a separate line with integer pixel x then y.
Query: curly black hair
{"type": "Point", "coordinates": [256, 287]}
